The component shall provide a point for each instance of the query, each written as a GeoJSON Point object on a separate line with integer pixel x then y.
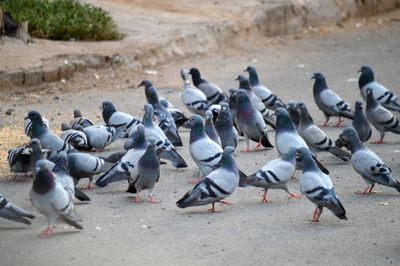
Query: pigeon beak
{"type": "Point", "coordinates": [312, 77]}
{"type": "Point", "coordinates": [359, 71]}
{"type": "Point", "coordinates": [236, 78]}
{"type": "Point", "coordinates": [101, 107]}
{"type": "Point", "coordinates": [245, 70]}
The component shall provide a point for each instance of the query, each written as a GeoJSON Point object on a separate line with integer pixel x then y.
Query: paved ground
{"type": "Point", "coordinates": [120, 232]}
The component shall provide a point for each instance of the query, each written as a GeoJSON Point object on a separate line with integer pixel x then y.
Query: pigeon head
{"type": "Point", "coordinates": [140, 140]}
{"type": "Point", "coordinates": [227, 160]}
{"type": "Point", "coordinates": [301, 105]}
{"type": "Point", "coordinates": [283, 121]}
{"type": "Point", "coordinates": [350, 138]}
{"type": "Point", "coordinates": [38, 127]}
{"type": "Point", "coordinates": [77, 113]}
{"type": "Point", "coordinates": [185, 75]}
{"type": "Point", "coordinates": [224, 116]}
{"type": "Point", "coordinates": [320, 82]}
{"type": "Point", "coordinates": [209, 115]}
{"type": "Point", "coordinates": [164, 103]}
{"type": "Point", "coordinates": [224, 106]}
{"type": "Point", "coordinates": [244, 83]}
{"type": "Point", "coordinates": [151, 142]}
{"type": "Point", "coordinates": [34, 144]}
{"type": "Point", "coordinates": [151, 95]}
{"type": "Point", "coordinates": [35, 117]}
{"type": "Point", "coordinates": [61, 162]}
{"type": "Point", "coordinates": [243, 98]}
{"type": "Point", "coordinates": [197, 128]}
{"type": "Point", "coordinates": [196, 76]}
{"type": "Point", "coordinates": [148, 115]}
{"type": "Point", "coordinates": [290, 156]}
{"type": "Point", "coordinates": [145, 83]}
{"type": "Point", "coordinates": [359, 106]}
{"type": "Point", "coordinates": [65, 126]}
{"type": "Point", "coordinates": [306, 159]}
{"type": "Point", "coordinates": [108, 109]}
{"type": "Point", "coordinates": [44, 178]}
{"type": "Point", "coordinates": [367, 76]}
{"type": "Point", "coordinates": [253, 77]}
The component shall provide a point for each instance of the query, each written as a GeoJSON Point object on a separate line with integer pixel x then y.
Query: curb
{"type": "Point", "coordinates": [276, 18]}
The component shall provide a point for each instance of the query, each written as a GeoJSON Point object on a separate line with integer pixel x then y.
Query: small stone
{"type": "Point", "coordinates": [56, 98]}
{"type": "Point", "coordinates": [9, 111]}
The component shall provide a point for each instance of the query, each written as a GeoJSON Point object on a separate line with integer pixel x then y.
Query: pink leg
{"type": "Point", "coordinates": [294, 196]}
{"type": "Point", "coordinates": [316, 215]}
{"type": "Point", "coordinates": [326, 122]}
{"type": "Point", "coordinates": [137, 199]}
{"type": "Point", "coordinates": [47, 232]}
{"type": "Point", "coordinates": [259, 145]}
{"type": "Point", "coordinates": [152, 199]}
{"type": "Point", "coordinates": [380, 141]}
{"type": "Point", "coordinates": [265, 197]}
{"type": "Point", "coordinates": [213, 210]}
{"type": "Point", "coordinates": [366, 191]}
{"type": "Point", "coordinates": [225, 202]}
{"type": "Point", "coordinates": [196, 181]}
{"type": "Point", "coordinates": [339, 122]}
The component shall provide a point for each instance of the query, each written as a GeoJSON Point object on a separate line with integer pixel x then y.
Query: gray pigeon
{"type": "Point", "coordinates": [316, 139]}
{"type": "Point", "coordinates": [369, 165]}
{"type": "Point", "coordinates": [117, 119]}
{"type": "Point", "coordinates": [47, 138]}
{"type": "Point", "coordinates": [99, 136]}
{"type": "Point", "coordinates": [244, 83]}
{"type": "Point", "coordinates": [148, 174]}
{"type": "Point", "coordinates": [127, 167]}
{"type": "Point", "coordinates": [360, 124]}
{"type": "Point", "coordinates": [381, 118]}
{"type": "Point", "coordinates": [287, 137]}
{"type": "Point", "coordinates": [216, 186]}
{"type": "Point", "coordinates": [51, 199]}
{"type": "Point", "coordinates": [80, 120]}
{"type": "Point", "coordinates": [251, 122]}
{"type": "Point", "coordinates": [194, 99]}
{"type": "Point", "coordinates": [18, 160]}
{"type": "Point", "coordinates": [224, 127]}
{"type": "Point", "coordinates": [12, 212]}
{"type": "Point", "coordinates": [28, 125]}
{"type": "Point", "coordinates": [37, 153]}
{"type": "Point", "coordinates": [178, 116]}
{"type": "Point", "coordinates": [74, 137]}
{"type": "Point", "coordinates": [213, 92]}
{"type": "Point", "coordinates": [275, 174]}
{"type": "Point", "coordinates": [165, 120]}
{"type": "Point", "coordinates": [163, 145]}
{"type": "Point", "coordinates": [294, 113]}
{"type": "Point", "coordinates": [381, 94]}
{"type": "Point", "coordinates": [270, 100]}
{"type": "Point", "coordinates": [328, 101]}
{"type": "Point", "coordinates": [317, 187]}
{"type": "Point", "coordinates": [209, 128]}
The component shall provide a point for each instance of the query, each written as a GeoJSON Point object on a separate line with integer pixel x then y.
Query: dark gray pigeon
{"type": "Point", "coordinates": [80, 120]}
{"type": "Point", "coordinates": [209, 128]}
{"type": "Point", "coordinates": [148, 174]}
{"type": "Point", "coordinates": [270, 100]}
{"type": "Point", "coordinates": [213, 93]}
{"type": "Point", "coordinates": [360, 124]}
{"type": "Point", "coordinates": [317, 139]}
{"type": "Point", "coordinates": [10, 211]}
{"type": "Point", "coordinates": [381, 118]}
{"type": "Point", "coordinates": [251, 122]}
{"type": "Point", "coordinates": [328, 101]}
{"type": "Point", "coordinates": [275, 175]}
{"type": "Point", "coordinates": [294, 113]}
{"type": "Point", "coordinates": [216, 186]}
{"type": "Point", "coordinates": [224, 127]}
{"type": "Point", "coordinates": [28, 125]}
{"type": "Point", "coordinates": [381, 94]}
{"type": "Point", "coordinates": [117, 119]}
{"type": "Point", "coordinates": [51, 199]}
{"type": "Point", "coordinates": [165, 119]}
{"type": "Point", "coordinates": [47, 138]}
{"type": "Point", "coordinates": [194, 99]}
{"type": "Point", "coordinates": [178, 116]}
{"type": "Point", "coordinates": [369, 165]}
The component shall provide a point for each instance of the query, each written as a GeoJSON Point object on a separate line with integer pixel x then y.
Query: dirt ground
{"type": "Point", "coordinates": [120, 232]}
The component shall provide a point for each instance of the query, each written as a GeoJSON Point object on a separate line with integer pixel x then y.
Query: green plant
{"type": "Point", "coordinates": [63, 19]}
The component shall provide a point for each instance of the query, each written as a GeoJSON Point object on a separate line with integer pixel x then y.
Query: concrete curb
{"type": "Point", "coordinates": [282, 17]}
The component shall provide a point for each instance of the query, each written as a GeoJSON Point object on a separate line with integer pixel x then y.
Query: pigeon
{"type": "Point", "coordinates": [148, 173]}
{"type": "Point", "coordinates": [215, 110]}
{"type": "Point", "coordinates": [28, 125]}
{"type": "Point", "coordinates": [368, 164]}
{"type": "Point", "coordinates": [270, 100]}
{"type": "Point", "coordinates": [360, 124]}
{"type": "Point", "coordinates": [380, 117]}
{"type": "Point", "coordinates": [209, 128]}
{"type": "Point", "coordinates": [328, 101]}
{"type": "Point", "coordinates": [224, 127]}
{"type": "Point", "coordinates": [287, 137]}
{"type": "Point", "coordinates": [251, 122]}
{"type": "Point", "coordinates": [233, 103]}
{"type": "Point", "coordinates": [51, 199]}
{"type": "Point", "coordinates": [294, 113]}
{"type": "Point", "coordinates": [244, 83]}
{"type": "Point", "coordinates": [194, 99]}
{"type": "Point", "coordinates": [10, 211]}
{"type": "Point", "coordinates": [163, 146]}
{"type": "Point", "coordinates": [275, 174]}
{"type": "Point", "coordinates": [18, 160]}
{"type": "Point", "coordinates": [216, 186]}
{"type": "Point", "coordinates": [99, 136]}
{"type": "Point", "coordinates": [205, 152]}
{"type": "Point", "coordinates": [316, 139]}
{"type": "Point", "coordinates": [315, 187]}
{"type": "Point", "coordinates": [80, 120]}
{"type": "Point", "coordinates": [165, 120]}
{"type": "Point", "coordinates": [74, 137]}
{"type": "Point", "coordinates": [178, 116]}
{"type": "Point", "coordinates": [127, 167]}
{"type": "Point", "coordinates": [381, 94]}
{"type": "Point", "coordinates": [47, 138]}
{"type": "Point", "coordinates": [213, 92]}
{"type": "Point", "coordinates": [118, 119]}
{"type": "Point", "coordinates": [36, 154]}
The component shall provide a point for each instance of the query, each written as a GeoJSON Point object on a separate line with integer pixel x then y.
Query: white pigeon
{"type": "Point", "coordinates": [193, 98]}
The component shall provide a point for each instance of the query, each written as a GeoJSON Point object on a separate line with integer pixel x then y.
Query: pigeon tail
{"type": "Point", "coordinates": [80, 195]}
{"type": "Point", "coordinates": [337, 208]}
{"type": "Point", "coordinates": [341, 154]}
{"type": "Point", "coordinates": [174, 158]}
{"type": "Point", "coordinates": [188, 199]}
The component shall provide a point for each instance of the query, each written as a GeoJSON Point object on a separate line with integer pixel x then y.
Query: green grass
{"type": "Point", "coordinates": [63, 19]}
